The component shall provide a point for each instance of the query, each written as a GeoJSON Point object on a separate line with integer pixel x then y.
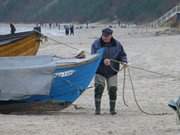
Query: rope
{"type": "Point", "coordinates": [124, 83]}
{"type": "Point", "coordinates": [123, 89]}
{"type": "Point", "coordinates": [134, 92]}
{"type": "Point", "coordinates": [153, 72]}
{"type": "Point", "coordinates": [136, 101]}
{"type": "Point", "coordinates": [149, 71]}
{"type": "Point", "coordinates": [61, 43]}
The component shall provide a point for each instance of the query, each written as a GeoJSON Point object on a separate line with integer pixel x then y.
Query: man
{"type": "Point", "coordinates": [107, 70]}
{"type": "Point", "coordinates": [13, 29]}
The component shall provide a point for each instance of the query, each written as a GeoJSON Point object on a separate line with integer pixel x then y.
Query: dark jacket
{"type": "Point", "coordinates": [13, 29]}
{"type": "Point", "coordinates": [112, 51]}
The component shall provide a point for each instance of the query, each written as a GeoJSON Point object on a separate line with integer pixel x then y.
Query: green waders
{"type": "Point", "coordinates": [100, 82]}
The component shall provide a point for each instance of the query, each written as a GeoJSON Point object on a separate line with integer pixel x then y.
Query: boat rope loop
{"type": "Point", "coordinates": [127, 70]}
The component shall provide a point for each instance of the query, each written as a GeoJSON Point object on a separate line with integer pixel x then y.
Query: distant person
{"type": "Point", "coordinates": [107, 70]}
{"type": "Point", "coordinates": [59, 26]}
{"type": "Point", "coordinates": [87, 25]}
{"type": "Point", "coordinates": [66, 30]}
{"type": "Point", "coordinates": [119, 23]}
{"type": "Point", "coordinates": [13, 28]}
{"type": "Point", "coordinates": [50, 25]}
{"type": "Point", "coordinates": [72, 30]}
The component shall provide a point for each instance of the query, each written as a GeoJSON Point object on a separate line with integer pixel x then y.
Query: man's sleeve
{"type": "Point", "coordinates": [122, 55]}
{"type": "Point", "coordinates": [93, 48]}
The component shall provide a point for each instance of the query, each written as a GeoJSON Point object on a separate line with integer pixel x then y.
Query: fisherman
{"type": "Point", "coordinates": [107, 70]}
{"type": "Point", "coordinates": [13, 28]}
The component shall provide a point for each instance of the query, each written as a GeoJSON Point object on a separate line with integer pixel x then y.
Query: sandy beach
{"type": "Point", "coordinates": [144, 49]}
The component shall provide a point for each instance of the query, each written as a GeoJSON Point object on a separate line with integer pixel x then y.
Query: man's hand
{"type": "Point", "coordinates": [107, 62]}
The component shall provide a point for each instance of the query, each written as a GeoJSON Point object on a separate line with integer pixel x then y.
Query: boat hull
{"type": "Point", "coordinates": [70, 81]}
{"type": "Point", "coordinates": [29, 108]}
{"type": "Point", "coordinates": [19, 45]}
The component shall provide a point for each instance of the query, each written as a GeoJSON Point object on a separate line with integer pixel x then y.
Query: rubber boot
{"type": "Point", "coordinates": [98, 94]}
{"type": "Point", "coordinates": [98, 107]}
{"type": "Point", "coordinates": [112, 97]}
{"type": "Point", "coordinates": [112, 107]}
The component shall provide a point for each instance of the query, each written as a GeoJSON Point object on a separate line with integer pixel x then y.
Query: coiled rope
{"type": "Point", "coordinates": [133, 87]}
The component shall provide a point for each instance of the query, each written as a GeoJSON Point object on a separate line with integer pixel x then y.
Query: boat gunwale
{"type": "Point", "coordinates": [18, 39]}
{"type": "Point", "coordinates": [71, 65]}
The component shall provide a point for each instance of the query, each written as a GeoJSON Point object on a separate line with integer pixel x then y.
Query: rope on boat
{"type": "Point", "coordinates": [133, 88]}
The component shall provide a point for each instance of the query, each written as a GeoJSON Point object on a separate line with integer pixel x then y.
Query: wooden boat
{"type": "Point", "coordinates": [71, 77]}
{"type": "Point", "coordinates": [20, 44]}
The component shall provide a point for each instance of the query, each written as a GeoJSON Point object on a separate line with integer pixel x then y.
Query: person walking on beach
{"type": "Point", "coordinates": [13, 28]}
{"type": "Point", "coordinates": [59, 26]}
{"type": "Point", "coordinates": [71, 29]}
{"type": "Point", "coordinates": [105, 72]}
{"type": "Point", "coordinates": [50, 25]}
{"type": "Point", "coordinates": [66, 30]}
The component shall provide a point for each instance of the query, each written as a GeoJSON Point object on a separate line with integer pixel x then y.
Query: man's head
{"type": "Point", "coordinates": [107, 35]}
